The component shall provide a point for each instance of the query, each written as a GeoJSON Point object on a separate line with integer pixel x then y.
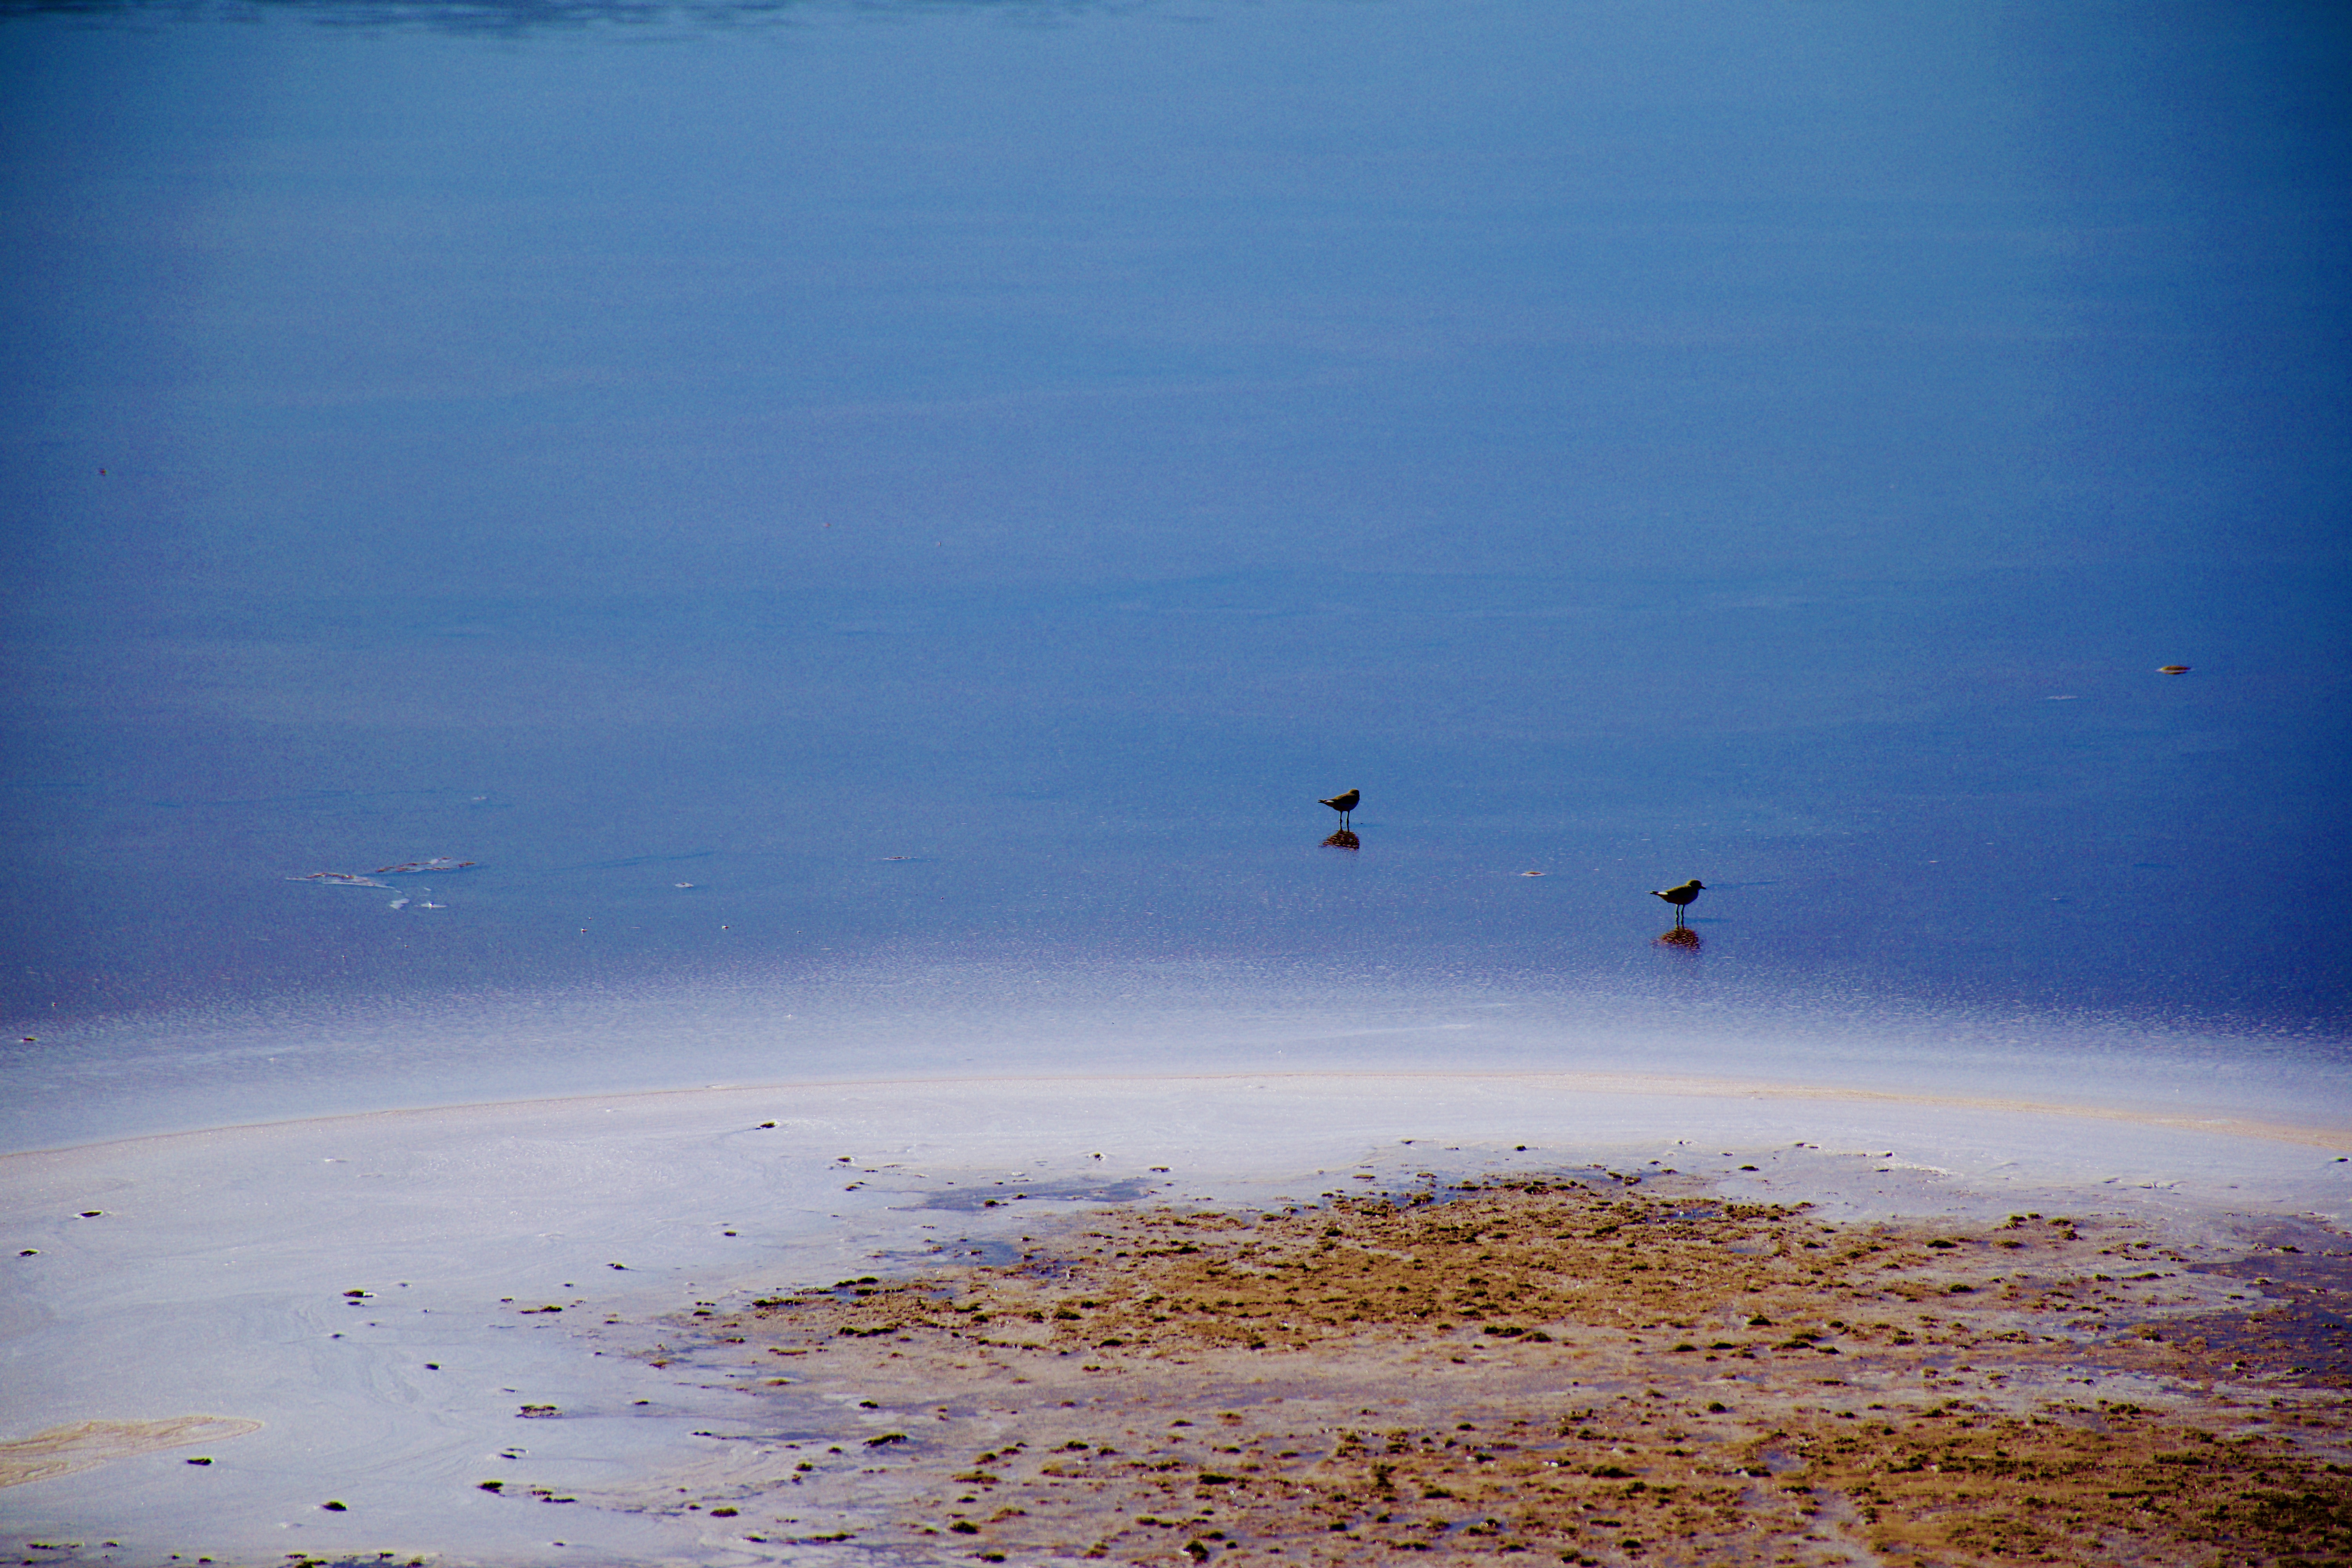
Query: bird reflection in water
{"type": "Point", "coordinates": [1344, 839]}
{"type": "Point", "coordinates": [1682, 937]}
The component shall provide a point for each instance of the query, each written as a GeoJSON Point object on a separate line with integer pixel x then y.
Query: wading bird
{"type": "Point", "coordinates": [1681, 897]}
{"type": "Point", "coordinates": [1344, 803]}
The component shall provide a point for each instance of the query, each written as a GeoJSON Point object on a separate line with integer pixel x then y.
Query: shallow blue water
{"type": "Point", "coordinates": [684, 460]}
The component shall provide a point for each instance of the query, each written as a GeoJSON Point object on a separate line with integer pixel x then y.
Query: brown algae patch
{"type": "Point", "coordinates": [1589, 1373]}
{"type": "Point", "coordinates": [61, 1450]}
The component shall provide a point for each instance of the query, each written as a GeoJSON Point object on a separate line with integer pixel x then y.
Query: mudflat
{"type": "Point", "coordinates": [1575, 1367]}
{"type": "Point", "coordinates": [83, 1445]}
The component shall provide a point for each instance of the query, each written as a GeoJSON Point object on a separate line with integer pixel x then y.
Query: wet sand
{"type": "Point", "coordinates": [368, 1297]}
{"type": "Point", "coordinates": [84, 1445]}
{"type": "Point", "coordinates": [1580, 1365]}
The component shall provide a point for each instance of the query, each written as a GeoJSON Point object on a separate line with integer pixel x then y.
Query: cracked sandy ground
{"type": "Point", "coordinates": [1559, 1369]}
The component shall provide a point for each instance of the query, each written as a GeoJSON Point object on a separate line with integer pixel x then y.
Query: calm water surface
{"type": "Point", "coordinates": [891, 515]}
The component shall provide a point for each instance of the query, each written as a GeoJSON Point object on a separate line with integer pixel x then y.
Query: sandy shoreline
{"type": "Point", "coordinates": [1575, 1366]}
{"type": "Point", "coordinates": [364, 1298]}
{"type": "Point", "coordinates": [1537, 1090]}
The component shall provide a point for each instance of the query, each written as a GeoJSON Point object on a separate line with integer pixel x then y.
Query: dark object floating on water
{"type": "Point", "coordinates": [341, 880]}
{"type": "Point", "coordinates": [1343, 840]}
{"type": "Point", "coordinates": [331, 1506]}
{"type": "Point", "coordinates": [91, 1214]}
{"type": "Point", "coordinates": [2172, 670]}
{"type": "Point", "coordinates": [1531, 873]}
{"type": "Point", "coordinates": [200, 1461]}
{"type": "Point", "coordinates": [30, 1252]}
{"type": "Point", "coordinates": [408, 868]}
{"type": "Point", "coordinates": [537, 1412]}
{"type": "Point", "coordinates": [1344, 803]}
{"type": "Point", "coordinates": [489, 1486]}
{"type": "Point", "coordinates": [1681, 898]}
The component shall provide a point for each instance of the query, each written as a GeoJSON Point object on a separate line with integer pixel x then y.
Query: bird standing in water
{"type": "Point", "coordinates": [1681, 897]}
{"type": "Point", "coordinates": [1344, 803]}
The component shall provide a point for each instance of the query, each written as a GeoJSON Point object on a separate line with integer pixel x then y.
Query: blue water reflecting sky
{"type": "Point", "coordinates": [629, 448]}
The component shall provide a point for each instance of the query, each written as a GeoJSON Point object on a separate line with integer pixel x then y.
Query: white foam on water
{"type": "Point", "coordinates": [214, 1279]}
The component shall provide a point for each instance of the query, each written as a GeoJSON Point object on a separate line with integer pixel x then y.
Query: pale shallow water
{"type": "Point", "coordinates": [917, 1018]}
{"type": "Point", "coordinates": [214, 1281]}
